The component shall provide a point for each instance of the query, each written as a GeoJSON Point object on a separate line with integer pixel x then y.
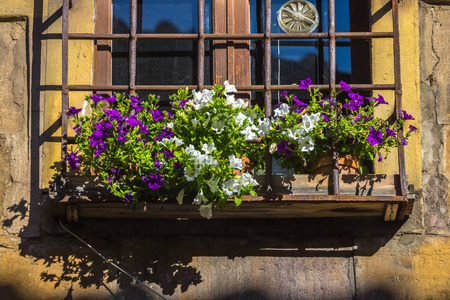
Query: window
{"type": "Point", "coordinates": [161, 46]}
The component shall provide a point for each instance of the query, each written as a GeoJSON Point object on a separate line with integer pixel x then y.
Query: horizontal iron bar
{"type": "Point", "coordinates": [214, 36]}
{"type": "Point", "coordinates": [356, 87]}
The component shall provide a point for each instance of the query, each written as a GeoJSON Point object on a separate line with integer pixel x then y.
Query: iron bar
{"type": "Point", "coordinates": [398, 95]}
{"type": "Point", "coordinates": [64, 92]}
{"type": "Point", "coordinates": [332, 80]}
{"type": "Point", "coordinates": [218, 36]}
{"type": "Point", "coordinates": [132, 47]}
{"type": "Point", "coordinates": [267, 88]}
{"type": "Point", "coordinates": [324, 87]}
{"type": "Point", "coordinates": [201, 45]}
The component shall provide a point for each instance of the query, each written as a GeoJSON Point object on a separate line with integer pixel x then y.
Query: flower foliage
{"type": "Point", "coordinates": [304, 132]}
{"type": "Point", "coordinates": [199, 146]}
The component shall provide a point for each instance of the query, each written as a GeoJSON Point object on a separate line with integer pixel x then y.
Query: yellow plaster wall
{"type": "Point", "coordinates": [81, 20]}
{"type": "Point", "coordinates": [383, 73]}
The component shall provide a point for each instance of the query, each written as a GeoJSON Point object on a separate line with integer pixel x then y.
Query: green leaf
{"type": "Point", "coordinates": [238, 200]}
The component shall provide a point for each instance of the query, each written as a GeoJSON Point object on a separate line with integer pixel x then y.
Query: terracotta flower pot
{"type": "Point", "coordinates": [348, 164]}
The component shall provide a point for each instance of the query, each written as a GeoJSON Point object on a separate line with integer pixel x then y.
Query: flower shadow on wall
{"type": "Point", "coordinates": [177, 256]}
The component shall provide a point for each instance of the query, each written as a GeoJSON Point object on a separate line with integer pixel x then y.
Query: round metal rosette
{"type": "Point", "coordinates": [298, 16]}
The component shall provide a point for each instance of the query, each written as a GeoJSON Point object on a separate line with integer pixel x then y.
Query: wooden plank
{"type": "Point", "coordinates": [102, 48]}
{"type": "Point", "coordinates": [250, 210]}
{"type": "Point", "coordinates": [391, 212]}
{"type": "Point", "coordinates": [219, 7]}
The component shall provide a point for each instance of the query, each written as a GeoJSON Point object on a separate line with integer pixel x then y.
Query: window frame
{"type": "Point", "coordinates": [102, 39]}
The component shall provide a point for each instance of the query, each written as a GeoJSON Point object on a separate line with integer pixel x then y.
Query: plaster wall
{"type": "Point", "coordinates": [360, 258]}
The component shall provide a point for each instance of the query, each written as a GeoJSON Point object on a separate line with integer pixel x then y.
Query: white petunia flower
{"type": "Point", "coordinates": [310, 122]}
{"type": "Point", "coordinates": [235, 162]}
{"type": "Point", "coordinates": [180, 196]}
{"type": "Point", "coordinates": [229, 88]}
{"type": "Point", "coordinates": [247, 179]}
{"type": "Point", "coordinates": [295, 133]}
{"type": "Point", "coordinates": [230, 187]}
{"type": "Point", "coordinates": [282, 110]}
{"type": "Point", "coordinates": [206, 211]}
{"type": "Point", "coordinates": [212, 183]}
{"type": "Point", "coordinates": [273, 147]}
{"type": "Point", "coordinates": [208, 148]}
{"type": "Point", "coordinates": [200, 198]}
{"type": "Point", "coordinates": [264, 126]}
{"type": "Point", "coordinates": [194, 121]}
{"type": "Point", "coordinates": [230, 100]}
{"type": "Point", "coordinates": [239, 104]}
{"type": "Point", "coordinates": [190, 150]}
{"type": "Point", "coordinates": [306, 144]}
{"type": "Point", "coordinates": [249, 133]}
{"type": "Point", "coordinates": [191, 174]}
{"type": "Point", "coordinates": [218, 125]}
{"type": "Point", "coordinates": [240, 118]}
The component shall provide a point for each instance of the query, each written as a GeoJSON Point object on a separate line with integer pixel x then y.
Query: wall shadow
{"type": "Point", "coordinates": [161, 252]}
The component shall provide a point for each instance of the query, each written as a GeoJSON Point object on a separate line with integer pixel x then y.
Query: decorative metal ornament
{"type": "Point", "coordinates": [298, 16]}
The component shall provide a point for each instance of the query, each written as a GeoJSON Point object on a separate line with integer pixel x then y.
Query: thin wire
{"type": "Point", "coordinates": [111, 263]}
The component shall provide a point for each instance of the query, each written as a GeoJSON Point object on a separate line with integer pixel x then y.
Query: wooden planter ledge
{"type": "Point", "coordinates": [292, 196]}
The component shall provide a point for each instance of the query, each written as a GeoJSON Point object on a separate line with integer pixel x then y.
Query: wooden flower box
{"type": "Point", "coordinates": [292, 196]}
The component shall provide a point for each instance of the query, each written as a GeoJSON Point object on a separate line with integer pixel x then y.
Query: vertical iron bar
{"type": "Point", "coordinates": [201, 45]}
{"type": "Point", "coordinates": [132, 47]}
{"type": "Point", "coordinates": [267, 87]}
{"type": "Point", "coordinates": [332, 71]}
{"type": "Point", "coordinates": [64, 91]}
{"type": "Point", "coordinates": [398, 94]}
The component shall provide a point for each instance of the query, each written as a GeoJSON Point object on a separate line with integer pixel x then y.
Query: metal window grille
{"type": "Point", "coordinates": [267, 88]}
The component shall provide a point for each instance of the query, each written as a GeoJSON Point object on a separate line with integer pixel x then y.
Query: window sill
{"type": "Point", "coordinates": [292, 196]}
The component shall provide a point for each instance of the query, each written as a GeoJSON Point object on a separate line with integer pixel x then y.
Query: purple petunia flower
{"type": "Point", "coordinates": [404, 142]}
{"type": "Point", "coordinates": [114, 115]}
{"type": "Point", "coordinates": [77, 129]}
{"type": "Point", "coordinates": [153, 155]}
{"type": "Point", "coordinates": [278, 104]}
{"type": "Point", "coordinates": [167, 132]}
{"type": "Point", "coordinates": [128, 197]}
{"type": "Point", "coordinates": [111, 99]}
{"type": "Point", "coordinates": [325, 117]}
{"type": "Point", "coordinates": [299, 111]}
{"type": "Point", "coordinates": [380, 157]}
{"type": "Point", "coordinates": [379, 100]}
{"type": "Point", "coordinates": [367, 118]}
{"type": "Point", "coordinates": [157, 164]}
{"type": "Point", "coordinates": [154, 181]}
{"type": "Point", "coordinates": [344, 87]}
{"type": "Point", "coordinates": [135, 103]}
{"type": "Point", "coordinates": [96, 98]}
{"type": "Point", "coordinates": [283, 94]}
{"type": "Point", "coordinates": [375, 137]}
{"type": "Point", "coordinates": [390, 132]}
{"type": "Point", "coordinates": [286, 148]}
{"type": "Point", "coordinates": [73, 159]}
{"type": "Point", "coordinates": [133, 121]}
{"type": "Point", "coordinates": [406, 116]}
{"type": "Point", "coordinates": [157, 115]}
{"type": "Point", "coordinates": [169, 154]}
{"type": "Point", "coordinates": [177, 166]}
{"type": "Point", "coordinates": [183, 103]}
{"type": "Point", "coordinates": [121, 138]}
{"type": "Point", "coordinates": [298, 102]}
{"type": "Point", "coordinates": [356, 119]}
{"type": "Point", "coordinates": [304, 84]}
{"type": "Point", "coordinates": [412, 128]}
{"type": "Point", "coordinates": [113, 175]}
{"type": "Point", "coordinates": [73, 111]}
